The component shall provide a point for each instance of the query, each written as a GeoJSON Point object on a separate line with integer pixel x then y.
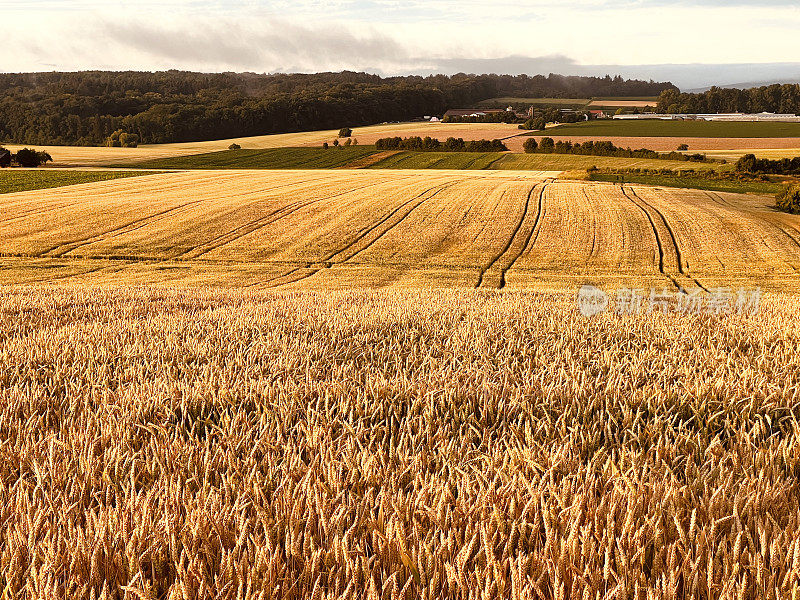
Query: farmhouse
{"type": "Point", "coordinates": [472, 112]}
{"type": "Point", "coordinates": [5, 158]}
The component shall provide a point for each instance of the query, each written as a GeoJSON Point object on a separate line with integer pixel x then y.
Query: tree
{"type": "Point", "coordinates": [683, 147]}
{"type": "Point", "coordinates": [547, 145]}
{"type": "Point", "coordinates": [122, 139]}
{"type": "Point", "coordinates": [325, 145]}
{"type": "Point", "coordinates": [5, 158]}
{"type": "Point", "coordinates": [234, 146]}
{"type": "Point", "coordinates": [355, 142]}
{"type": "Point", "coordinates": [348, 142]}
{"type": "Point", "coordinates": [530, 146]}
{"type": "Point", "coordinates": [789, 199]}
{"type": "Point", "coordinates": [335, 142]}
{"type": "Point", "coordinates": [746, 164]}
{"type": "Point", "coordinates": [345, 132]}
{"type": "Point", "coordinates": [31, 158]}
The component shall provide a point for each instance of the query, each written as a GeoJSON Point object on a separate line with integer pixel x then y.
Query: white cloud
{"type": "Point", "coordinates": [388, 35]}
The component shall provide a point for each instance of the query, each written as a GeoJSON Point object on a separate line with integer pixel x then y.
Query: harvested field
{"type": "Point", "coordinates": [698, 129]}
{"type": "Point", "coordinates": [393, 228]}
{"type": "Point", "coordinates": [436, 445]}
{"type": "Point", "coordinates": [611, 102]}
{"type": "Point", "coordinates": [363, 157]}
{"type": "Point", "coordinates": [721, 147]}
{"type": "Point", "coordinates": [21, 180]}
{"type": "Point", "coordinates": [74, 156]}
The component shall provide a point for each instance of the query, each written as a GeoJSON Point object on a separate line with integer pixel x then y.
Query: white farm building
{"type": "Point", "coordinates": [764, 116]}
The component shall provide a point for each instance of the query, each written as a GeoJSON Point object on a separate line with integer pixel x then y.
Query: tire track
{"type": "Point", "coordinates": [675, 246]}
{"type": "Point", "coordinates": [131, 226]}
{"type": "Point", "coordinates": [659, 243]}
{"type": "Point", "coordinates": [674, 239]}
{"type": "Point", "coordinates": [514, 234]}
{"type": "Point", "coordinates": [250, 227]}
{"type": "Point", "coordinates": [536, 228]}
{"type": "Point", "coordinates": [330, 259]}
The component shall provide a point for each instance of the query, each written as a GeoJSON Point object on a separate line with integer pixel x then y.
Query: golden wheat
{"type": "Point", "coordinates": [344, 229]}
{"type": "Point", "coordinates": [211, 444]}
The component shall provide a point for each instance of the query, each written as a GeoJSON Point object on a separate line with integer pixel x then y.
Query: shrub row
{"type": "Point", "coordinates": [602, 148]}
{"type": "Point", "coordinates": [785, 166]}
{"type": "Point", "coordinates": [429, 144]}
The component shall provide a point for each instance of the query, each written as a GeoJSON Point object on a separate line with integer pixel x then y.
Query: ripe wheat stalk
{"type": "Point", "coordinates": [386, 445]}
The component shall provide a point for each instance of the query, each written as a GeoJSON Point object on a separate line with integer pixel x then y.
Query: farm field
{"type": "Point", "coordinates": [163, 443]}
{"type": "Point", "coordinates": [679, 129]}
{"type": "Point", "coordinates": [318, 229]}
{"type": "Point", "coordinates": [722, 148]}
{"type": "Point", "coordinates": [522, 162]}
{"type": "Point", "coordinates": [79, 156]}
{"type": "Point", "coordinates": [362, 157]}
{"type": "Point", "coordinates": [21, 180]}
{"type": "Point", "coordinates": [698, 181]}
{"type": "Point", "coordinates": [272, 158]}
{"type": "Point", "coordinates": [640, 102]}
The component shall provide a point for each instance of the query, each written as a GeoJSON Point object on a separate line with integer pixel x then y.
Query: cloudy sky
{"type": "Point", "coordinates": [397, 36]}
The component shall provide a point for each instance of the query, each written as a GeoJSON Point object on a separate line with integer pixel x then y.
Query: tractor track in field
{"type": "Point", "coordinates": [256, 224]}
{"type": "Point", "coordinates": [330, 259]}
{"type": "Point", "coordinates": [523, 217]}
{"type": "Point", "coordinates": [56, 252]}
{"type": "Point", "coordinates": [126, 228]}
{"type": "Point", "coordinates": [530, 239]}
{"type": "Point", "coordinates": [659, 244]}
{"type": "Point", "coordinates": [673, 239]}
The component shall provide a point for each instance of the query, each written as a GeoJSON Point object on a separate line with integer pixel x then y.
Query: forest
{"type": "Point", "coordinates": [87, 108]}
{"type": "Point", "coordinates": [775, 98]}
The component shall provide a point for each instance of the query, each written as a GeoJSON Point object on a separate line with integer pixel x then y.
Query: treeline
{"type": "Point", "coordinates": [601, 148]}
{"type": "Point", "coordinates": [428, 144]}
{"type": "Point", "coordinates": [86, 108]}
{"type": "Point", "coordinates": [771, 98]}
{"type": "Point", "coordinates": [764, 166]}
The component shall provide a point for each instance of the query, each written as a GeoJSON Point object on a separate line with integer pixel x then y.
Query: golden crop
{"type": "Point", "coordinates": [388, 444]}
{"type": "Point", "coordinates": [335, 229]}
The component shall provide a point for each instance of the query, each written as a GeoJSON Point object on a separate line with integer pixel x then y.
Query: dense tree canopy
{"type": "Point", "coordinates": [772, 98]}
{"type": "Point", "coordinates": [764, 166]}
{"type": "Point", "coordinates": [88, 107]}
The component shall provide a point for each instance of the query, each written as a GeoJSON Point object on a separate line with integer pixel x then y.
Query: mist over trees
{"type": "Point", "coordinates": [88, 108]}
{"type": "Point", "coordinates": [771, 98]}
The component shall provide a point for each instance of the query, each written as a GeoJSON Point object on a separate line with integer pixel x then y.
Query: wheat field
{"type": "Point", "coordinates": [341, 229]}
{"type": "Point", "coordinates": [167, 443]}
{"type": "Point", "coordinates": [87, 156]}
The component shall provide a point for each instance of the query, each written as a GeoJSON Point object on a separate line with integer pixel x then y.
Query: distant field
{"type": "Point", "coordinates": [545, 101]}
{"type": "Point", "coordinates": [640, 99]}
{"type": "Point", "coordinates": [576, 102]}
{"type": "Point", "coordinates": [88, 156]}
{"type": "Point", "coordinates": [698, 129]}
{"type": "Point", "coordinates": [697, 182]}
{"type": "Point", "coordinates": [441, 160]}
{"type": "Point", "coordinates": [273, 158]}
{"type": "Point", "coordinates": [570, 162]}
{"type": "Point", "coordinates": [360, 157]}
{"type": "Point", "coordinates": [13, 180]}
